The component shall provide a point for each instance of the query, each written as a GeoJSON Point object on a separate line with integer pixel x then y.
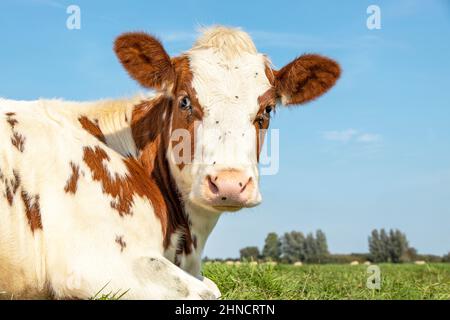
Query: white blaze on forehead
{"type": "Point", "coordinates": [228, 77]}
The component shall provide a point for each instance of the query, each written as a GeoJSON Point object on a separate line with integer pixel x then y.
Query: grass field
{"type": "Point", "coordinates": [398, 281]}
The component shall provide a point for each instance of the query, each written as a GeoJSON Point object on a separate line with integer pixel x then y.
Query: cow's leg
{"type": "Point", "coordinates": [211, 285]}
{"type": "Point", "coordinates": [177, 283]}
{"type": "Point", "coordinates": [150, 277]}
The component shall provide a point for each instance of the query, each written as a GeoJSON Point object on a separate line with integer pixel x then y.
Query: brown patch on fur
{"type": "Point", "coordinates": [11, 186]}
{"type": "Point", "coordinates": [145, 187]}
{"type": "Point", "coordinates": [306, 78]}
{"type": "Point", "coordinates": [18, 141]}
{"type": "Point", "coordinates": [71, 185]}
{"type": "Point", "coordinates": [262, 119]}
{"type": "Point", "coordinates": [194, 240]}
{"type": "Point", "coordinates": [269, 73]}
{"type": "Point", "coordinates": [146, 125]}
{"type": "Point", "coordinates": [10, 119]}
{"type": "Point", "coordinates": [123, 188]}
{"type": "Point", "coordinates": [146, 120]}
{"type": "Point", "coordinates": [185, 119]}
{"type": "Point", "coordinates": [32, 211]}
{"type": "Point", "coordinates": [268, 98]}
{"type": "Point", "coordinates": [92, 127]}
{"type": "Point", "coordinates": [12, 122]}
{"type": "Point", "coordinates": [119, 240]}
{"type": "Point", "coordinates": [145, 59]}
{"type": "Point", "coordinates": [9, 195]}
{"type": "Point", "coordinates": [151, 133]}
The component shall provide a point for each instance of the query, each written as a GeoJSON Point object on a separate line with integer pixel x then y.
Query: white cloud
{"type": "Point", "coordinates": [349, 135]}
{"type": "Point", "coordinates": [368, 137]}
{"type": "Point", "coordinates": [343, 136]}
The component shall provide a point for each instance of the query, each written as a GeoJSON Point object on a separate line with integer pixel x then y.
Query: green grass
{"type": "Point", "coordinates": [101, 295]}
{"type": "Point", "coordinates": [398, 281]}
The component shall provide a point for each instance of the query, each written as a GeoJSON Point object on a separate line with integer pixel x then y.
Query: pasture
{"type": "Point", "coordinates": [398, 281]}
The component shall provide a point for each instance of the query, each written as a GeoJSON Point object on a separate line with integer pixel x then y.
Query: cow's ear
{"type": "Point", "coordinates": [145, 59]}
{"type": "Point", "coordinates": [305, 78]}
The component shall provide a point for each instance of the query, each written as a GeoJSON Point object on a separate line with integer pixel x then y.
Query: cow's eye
{"type": "Point", "coordinates": [269, 109]}
{"type": "Point", "coordinates": [185, 103]}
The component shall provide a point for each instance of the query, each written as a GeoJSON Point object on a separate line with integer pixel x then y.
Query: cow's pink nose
{"type": "Point", "coordinates": [229, 188]}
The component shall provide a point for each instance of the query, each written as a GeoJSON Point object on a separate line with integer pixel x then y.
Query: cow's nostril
{"type": "Point", "coordinates": [212, 185]}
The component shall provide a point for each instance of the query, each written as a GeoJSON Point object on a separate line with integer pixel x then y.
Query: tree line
{"type": "Point", "coordinates": [390, 246]}
{"type": "Point", "coordinates": [384, 246]}
{"type": "Point", "coordinates": [291, 247]}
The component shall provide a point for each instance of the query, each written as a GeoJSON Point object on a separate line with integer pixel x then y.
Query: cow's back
{"type": "Point", "coordinates": [57, 204]}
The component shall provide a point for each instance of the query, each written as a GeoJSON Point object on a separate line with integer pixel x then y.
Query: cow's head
{"type": "Point", "coordinates": [221, 95]}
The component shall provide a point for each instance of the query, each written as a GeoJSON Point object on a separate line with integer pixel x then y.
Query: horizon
{"type": "Point", "coordinates": [366, 252]}
{"type": "Point", "coordinates": [372, 153]}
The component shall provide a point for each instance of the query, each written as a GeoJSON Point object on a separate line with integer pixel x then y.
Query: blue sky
{"type": "Point", "coordinates": [374, 152]}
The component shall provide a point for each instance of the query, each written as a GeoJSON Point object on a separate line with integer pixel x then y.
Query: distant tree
{"type": "Point", "coordinates": [375, 247]}
{"type": "Point", "coordinates": [272, 247]}
{"type": "Point", "coordinates": [398, 245]}
{"type": "Point", "coordinates": [310, 248]}
{"type": "Point", "coordinates": [385, 246]}
{"type": "Point", "coordinates": [292, 246]}
{"type": "Point", "coordinates": [446, 257]}
{"type": "Point", "coordinates": [390, 246]}
{"type": "Point", "coordinates": [322, 246]}
{"type": "Point", "coordinates": [409, 255]}
{"type": "Point", "coordinates": [379, 246]}
{"type": "Point", "coordinates": [249, 253]}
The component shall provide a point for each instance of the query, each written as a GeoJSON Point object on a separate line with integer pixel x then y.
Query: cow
{"type": "Point", "coordinates": [99, 195]}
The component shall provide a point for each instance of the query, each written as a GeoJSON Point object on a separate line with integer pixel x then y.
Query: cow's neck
{"type": "Point", "coordinates": [202, 224]}
{"type": "Point", "coordinates": [140, 128]}
{"type": "Point", "coordinates": [107, 120]}
{"type": "Point", "coordinates": [189, 225]}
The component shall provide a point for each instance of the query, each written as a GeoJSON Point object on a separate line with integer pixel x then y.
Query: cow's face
{"type": "Point", "coordinates": [222, 94]}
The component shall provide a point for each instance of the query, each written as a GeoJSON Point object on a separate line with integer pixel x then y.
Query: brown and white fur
{"type": "Point", "coordinates": [123, 194]}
